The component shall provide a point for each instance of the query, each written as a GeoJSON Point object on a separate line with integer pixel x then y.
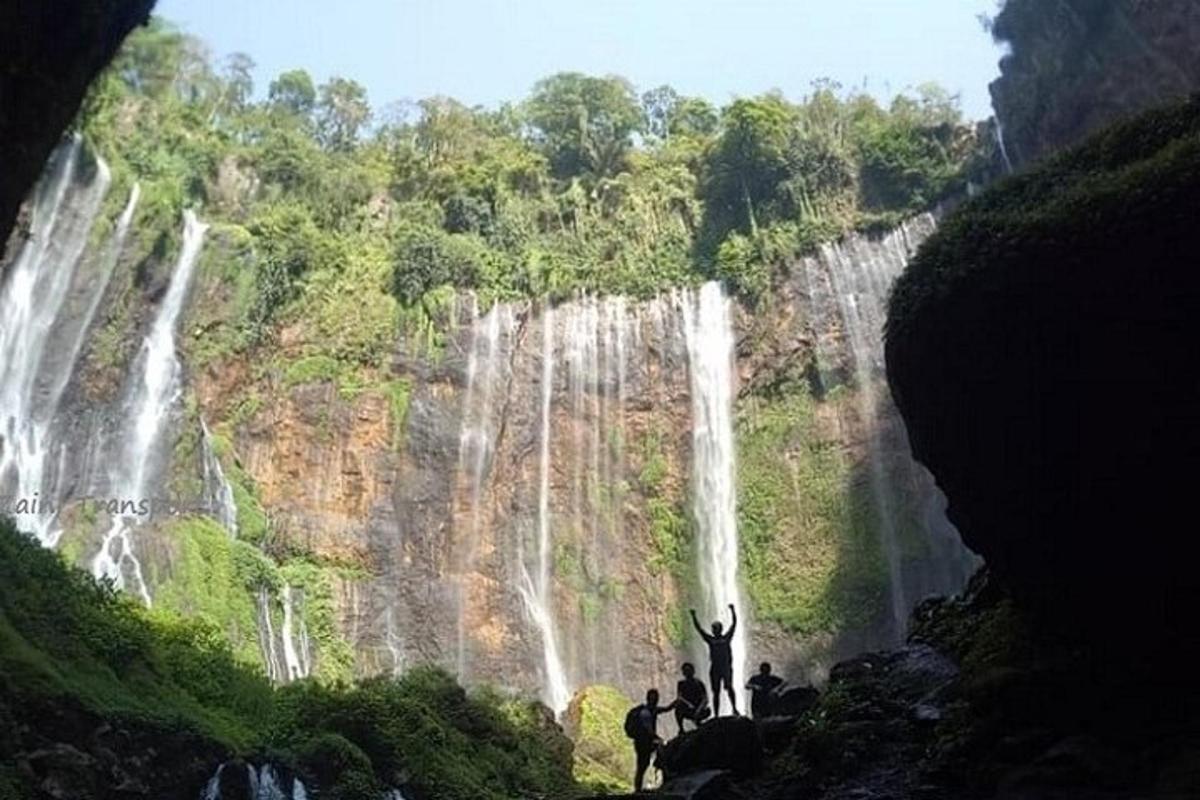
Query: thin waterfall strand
{"type": "Point", "coordinates": [152, 402]}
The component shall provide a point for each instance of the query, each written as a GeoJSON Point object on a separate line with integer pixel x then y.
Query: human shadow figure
{"type": "Point", "coordinates": [641, 725]}
{"type": "Point", "coordinates": [691, 698]}
{"type": "Point", "coordinates": [765, 689]}
{"type": "Point", "coordinates": [720, 658]}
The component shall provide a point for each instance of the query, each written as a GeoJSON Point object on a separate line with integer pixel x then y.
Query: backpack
{"type": "Point", "coordinates": [633, 726]}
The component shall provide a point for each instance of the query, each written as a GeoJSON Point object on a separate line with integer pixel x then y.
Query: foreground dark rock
{"type": "Point", "coordinates": [51, 52]}
{"type": "Point", "coordinates": [1041, 348]}
{"type": "Point", "coordinates": [980, 705]}
{"type": "Point", "coordinates": [727, 743]}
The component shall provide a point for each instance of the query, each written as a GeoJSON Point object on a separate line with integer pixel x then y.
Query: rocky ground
{"type": "Point", "coordinates": [976, 705]}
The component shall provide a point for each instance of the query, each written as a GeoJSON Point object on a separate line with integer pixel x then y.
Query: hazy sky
{"type": "Point", "coordinates": [488, 51]}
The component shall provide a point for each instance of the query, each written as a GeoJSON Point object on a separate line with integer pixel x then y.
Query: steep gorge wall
{"type": "Point", "coordinates": [398, 517]}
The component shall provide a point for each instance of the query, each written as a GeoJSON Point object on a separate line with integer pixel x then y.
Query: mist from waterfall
{"type": "Point", "coordinates": [147, 409]}
{"type": "Point", "coordinates": [709, 332]}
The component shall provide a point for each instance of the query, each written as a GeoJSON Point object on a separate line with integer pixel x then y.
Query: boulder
{"type": "Point", "coordinates": [1040, 348]}
{"type": "Point", "coordinates": [726, 743]}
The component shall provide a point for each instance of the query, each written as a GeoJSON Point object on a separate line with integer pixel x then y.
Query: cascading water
{"type": "Point", "coordinates": [487, 371]}
{"type": "Point", "coordinates": [708, 330]}
{"type": "Point", "coordinates": [537, 590]}
{"type": "Point", "coordinates": [264, 783]}
{"type": "Point", "coordinates": [276, 670]}
{"type": "Point", "coordinates": [286, 650]}
{"type": "Point", "coordinates": [999, 131]}
{"type": "Point", "coordinates": [297, 650]}
{"type": "Point", "coordinates": [847, 285]}
{"type": "Point", "coordinates": [147, 408]}
{"type": "Point", "coordinates": [32, 373]}
{"type": "Point", "coordinates": [218, 493]}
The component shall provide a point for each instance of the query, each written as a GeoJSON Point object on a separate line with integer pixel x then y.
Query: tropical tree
{"type": "Point", "coordinates": [585, 124]}
{"type": "Point", "coordinates": [293, 92]}
{"type": "Point", "coordinates": [342, 111]}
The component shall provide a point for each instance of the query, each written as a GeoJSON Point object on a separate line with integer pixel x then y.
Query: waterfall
{"type": "Point", "coordinates": [708, 330]}
{"type": "Point", "coordinates": [286, 654]}
{"type": "Point", "coordinates": [297, 655]}
{"type": "Point", "coordinates": [537, 592]}
{"type": "Point", "coordinates": [276, 672]}
{"type": "Point", "coordinates": [999, 130]}
{"type": "Point", "coordinates": [847, 284]}
{"type": "Point", "coordinates": [487, 371]}
{"type": "Point", "coordinates": [148, 407]}
{"type": "Point", "coordinates": [264, 783]}
{"type": "Point", "coordinates": [858, 293]}
{"type": "Point", "coordinates": [218, 493]}
{"type": "Point", "coordinates": [393, 642]}
{"type": "Point", "coordinates": [36, 289]}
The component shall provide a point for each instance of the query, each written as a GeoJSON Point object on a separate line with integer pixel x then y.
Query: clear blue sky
{"type": "Point", "coordinates": [488, 51]}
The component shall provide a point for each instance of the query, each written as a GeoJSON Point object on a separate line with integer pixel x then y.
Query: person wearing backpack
{"type": "Point", "coordinates": [641, 725]}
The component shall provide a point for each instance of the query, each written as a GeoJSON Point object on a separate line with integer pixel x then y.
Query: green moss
{"type": "Point", "coordinates": [654, 463]}
{"type": "Point", "coordinates": [671, 537]}
{"type": "Point", "coordinates": [334, 658]}
{"type": "Point", "coordinates": [217, 323]}
{"type": "Point", "coordinates": [211, 578]}
{"type": "Point", "coordinates": [253, 523]}
{"type": "Point", "coordinates": [811, 559]}
{"type": "Point", "coordinates": [246, 409]}
{"type": "Point", "coordinates": [1148, 157]}
{"type": "Point", "coordinates": [604, 759]}
{"type": "Point", "coordinates": [312, 369]}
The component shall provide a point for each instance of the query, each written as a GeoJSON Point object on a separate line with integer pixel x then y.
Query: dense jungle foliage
{"type": "Point", "coordinates": [69, 645]}
{"type": "Point", "coordinates": [350, 214]}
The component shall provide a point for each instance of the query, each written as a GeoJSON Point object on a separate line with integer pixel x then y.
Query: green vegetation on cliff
{"type": "Point", "coordinates": [811, 555]}
{"type": "Point", "coordinates": [595, 720]}
{"type": "Point", "coordinates": [69, 645]}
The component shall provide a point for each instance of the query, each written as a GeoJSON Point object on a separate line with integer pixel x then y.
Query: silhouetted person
{"type": "Point", "coordinates": [764, 688]}
{"type": "Point", "coordinates": [641, 725]}
{"type": "Point", "coordinates": [720, 659]}
{"type": "Point", "coordinates": [691, 698]}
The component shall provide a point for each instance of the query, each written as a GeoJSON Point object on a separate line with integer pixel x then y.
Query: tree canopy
{"type": "Point", "coordinates": [583, 185]}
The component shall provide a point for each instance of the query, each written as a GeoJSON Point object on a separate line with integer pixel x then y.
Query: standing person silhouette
{"type": "Point", "coordinates": [720, 660]}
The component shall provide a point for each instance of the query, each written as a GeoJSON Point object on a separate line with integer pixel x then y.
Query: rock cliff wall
{"type": "Point", "coordinates": [512, 494]}
{"type": "Point", "coordinates": [1075, 66]}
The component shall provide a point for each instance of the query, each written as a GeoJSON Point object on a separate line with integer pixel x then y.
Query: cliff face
{"type": "Point", "coordinates": [51, 54]}
{"type": "Point", "coordinates": [1077, 65]}
{"type": "Point", "coordinates": [529, 495]}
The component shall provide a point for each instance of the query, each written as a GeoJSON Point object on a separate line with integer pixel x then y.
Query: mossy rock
{"type": "Point", "coordinates": [1041, 349]}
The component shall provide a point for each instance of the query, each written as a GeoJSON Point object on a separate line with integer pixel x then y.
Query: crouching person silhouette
{"type": "Point", "coordinates": [691, 698]}
{"type": "Point", "coordinates": [641, 725]}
